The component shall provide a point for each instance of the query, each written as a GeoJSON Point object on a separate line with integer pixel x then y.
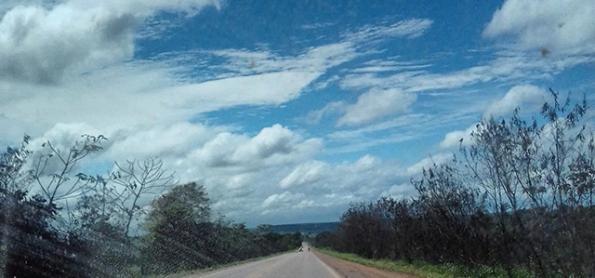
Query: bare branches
{"type": "Point", "coordinates": [53, 169]}
{"type": "Point", "coordinates": [139, 178]}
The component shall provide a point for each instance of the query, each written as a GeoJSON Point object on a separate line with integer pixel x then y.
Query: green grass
{"type": "Point", "coordinates": [423, 269]}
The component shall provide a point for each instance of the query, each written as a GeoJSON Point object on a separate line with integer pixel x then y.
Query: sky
{"type": "Point", "coordinates": [286, 111]}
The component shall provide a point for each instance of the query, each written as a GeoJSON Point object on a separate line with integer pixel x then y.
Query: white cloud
{"type": "Point", "coordinates": [409, 28]}
{"type": "Point", "coordinates": [268, 142]}
{"type": "Point", "coordinates": [319, 58]}
{"type": "Point", "coordinates": [47, 43]}
{"type": "Point", "coordinates": [400, 191]}
{"type": "Point", "coordinates": [272, 146]}
{"type": "Point", "coordinates": [506, 67]}
{"type": "Point", "coordinates": [526, 97]}
{"type": "Point", "coordinates": [238, 169]}
{"type": "Point", "coordinates": [98, 83]}
{"type": "Point", "coordinates": [247, 174]}
{"type": "Point", "coordinates": [331, 186]}
{"type": "Point", "coordinates": [400, 122]}
{"type": "Point", "coordinates": [283, 199]}
{"type": "Point", "coordinates": [306, 204]}
{"type": "Point", "coordinates": [242, 90]}
{"type": "Point", "coordinates": [139, 95]}
{"type": "Point", "coordinates": [304, 174]}
{"type": "Point", "coordinates": [402, 128]}
{"type": "Point", "coordinates": [456, 138]}
{"type": "Point", "coordinates": [42, 45]}
{"type": "Point", "coordinates": [376, 104]}
{"type": "Point", "coordinates": [64, 135]}
{"type": "Point", "coordinates": [566, 26]}
{"type": "Point", "coordinates": [428, 162]}
{"type": "Point", "coordinates": [149, 107]}
{"type": "Point", "coordinates": [389, 65]}
{"type": "Point", "coordinates": [313, 59]}
{"type": "Point", "coordinates": [144, 7]}
{"type": "Point", "coordinates": [162, 141]}
{"type": "Point", "coordinates": [364, 163]}
{"type": "Point", "coordinates": [335, 107]}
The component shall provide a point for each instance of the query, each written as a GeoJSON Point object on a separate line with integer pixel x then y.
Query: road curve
{"type": "Point", "coordinates": [290, 265]}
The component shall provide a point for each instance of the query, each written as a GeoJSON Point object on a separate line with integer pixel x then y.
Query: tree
{"type": "Point", "coordinates": [179, 229]}
{"type": "Point", "coordinates": [139, 178]}
{"type": "Point", "coordinates": [53, 169]}
{"type": "Point", "coordinates": [30, 245]}
{"type": "Point", "coordinates": [11, 165]}
{"type": "Point", "coordinates": [527, 169]}
{"type": "Point", "coordinates": [521, 197]}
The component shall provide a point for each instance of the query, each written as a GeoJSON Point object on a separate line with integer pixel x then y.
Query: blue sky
{"type": "Point", "coordinates": [287, 111]}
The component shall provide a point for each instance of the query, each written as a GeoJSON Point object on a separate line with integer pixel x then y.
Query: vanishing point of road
{"type": "Point", "coordinates": [306, 264]}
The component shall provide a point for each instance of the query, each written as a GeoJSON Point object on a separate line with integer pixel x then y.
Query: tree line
{"type": "Point", "coordinates": [58, 222]}
{"type": "Point", "coordinates": [519, 196]}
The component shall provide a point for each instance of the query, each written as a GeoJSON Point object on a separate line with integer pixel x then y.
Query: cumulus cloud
{"type": "Point", "coordinates": [63, 135]}
{"type": "Point", "coordinates": [332, 187]}
{"type": "Point", "coordinates": [41, 46]}
{"type": "Point", "coordinates": [162, 141]}
{"type": "Point", "coordinates": [559, 26]}
{"type": "Point", "coordinates": [284, 199]}
{"type": "Point", "coordinates": [304, 174]}
{"type": "Point", "coordinates": [235, 165]}
{"type": "Point", "coordinates": [458, 137]}
{"type": "Point", "coordinates": [376, 104]}
{"type": "Point", "coordinates": [237, 168]}
{"type": "Point", "coordinates": [364, 163]}
{"type": "Point", "coordinates": [273, 145]}
{"type": "Point", "coordinates": [277, 190]}
{"type": "Point", "coordinates": [46, 43]}
{"type": "Point", "coordinates": [526, 97]}
{"type": "Point", "coordinates": [272, 173]}
{"type": "Point", "coordinates": [428, 162]}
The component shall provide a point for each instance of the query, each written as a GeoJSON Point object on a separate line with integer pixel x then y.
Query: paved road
{"type": "Point", "coordinates": [290, 265]}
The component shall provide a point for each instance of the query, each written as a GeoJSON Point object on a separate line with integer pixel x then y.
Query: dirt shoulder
{"type": "Point", "coordinates": [353, 270]}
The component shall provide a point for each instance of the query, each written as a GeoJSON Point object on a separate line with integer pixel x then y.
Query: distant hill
{"type": "Point", "coordinates": [306, 228]}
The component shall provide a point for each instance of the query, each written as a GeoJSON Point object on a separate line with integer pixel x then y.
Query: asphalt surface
{"type": "Point", "coordinates": [290, 265]}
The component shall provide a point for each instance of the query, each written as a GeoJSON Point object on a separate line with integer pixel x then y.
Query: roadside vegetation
{"type": "Point", "coordinates": [516, 200]}
{"type": "Point", "coordinates": [59, 222]}
{"type": "Point", "coordinates": [424, 269]}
